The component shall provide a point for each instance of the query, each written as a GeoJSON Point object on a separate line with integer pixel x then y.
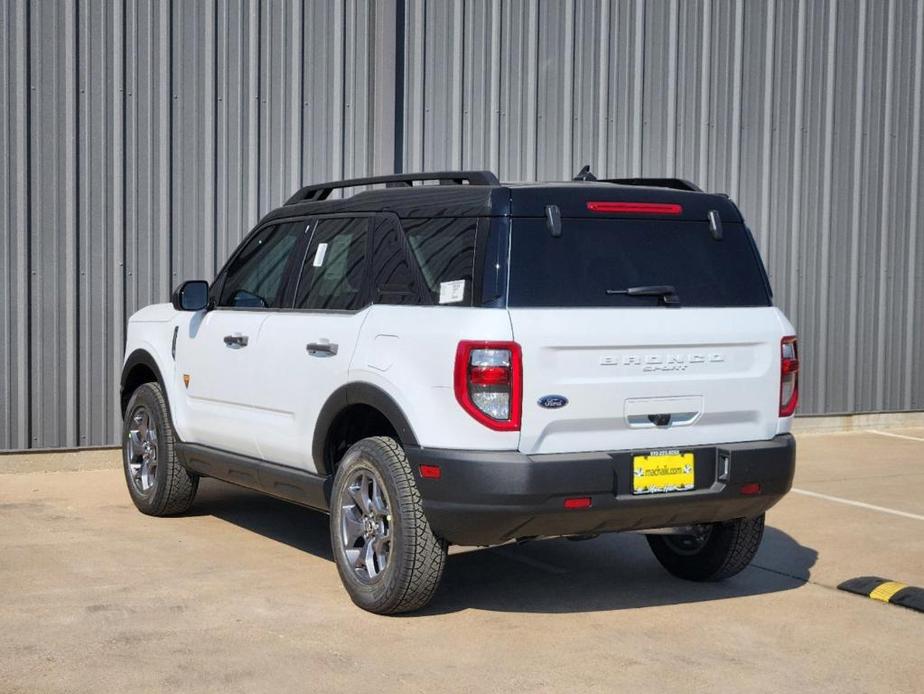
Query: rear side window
{"type": "Point", "coordinates": [444, 249]}
{"type": "Point", "coordinates": [333, 276]}
{"type": "Point", "coordinates": [254, 278]}
{"type": "Point", "coordinates": [494, 264]}
{"type": "Point", "coordinates": [595, 261]}
{"type": "Point", "coordinates": [393, 279]}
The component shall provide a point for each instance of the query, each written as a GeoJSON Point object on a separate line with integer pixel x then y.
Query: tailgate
{"type": "Point", "coordinates": [647, 378]}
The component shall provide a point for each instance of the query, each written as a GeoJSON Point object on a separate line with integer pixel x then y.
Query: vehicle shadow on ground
{"type": "Point", "coordinates": [610, 572]}
{"type": "Point", "coordinates": [277, 520]}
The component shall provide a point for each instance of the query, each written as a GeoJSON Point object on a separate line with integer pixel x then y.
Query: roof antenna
{"type": "Point", "coordinates": [585, 175]}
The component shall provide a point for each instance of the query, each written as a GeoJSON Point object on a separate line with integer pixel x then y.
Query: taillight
{"type": "Point", "coordinates": [489, 382]}
{"type": "Point", "coordinates": [789, 375]}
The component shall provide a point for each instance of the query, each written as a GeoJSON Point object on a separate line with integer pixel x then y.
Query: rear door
{"type": "Point", "coordinates": [303, 355]}
{"type": "Point", "coordinates": [635, 371]}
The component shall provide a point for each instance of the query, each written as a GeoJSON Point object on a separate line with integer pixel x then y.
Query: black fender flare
{"type": "Point", "coordinates": [358, 393]}
{"type": "Point", "coordinates": [141, 357]}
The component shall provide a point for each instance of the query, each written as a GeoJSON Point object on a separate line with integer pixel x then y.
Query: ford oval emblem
{"type": "Point", "coordinates": [553, 402]}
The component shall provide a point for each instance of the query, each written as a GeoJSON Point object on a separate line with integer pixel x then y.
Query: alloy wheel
{"type": "Point", "coordinates": [366, 525]}
{"type": "Point", "coordinates": [141, 449]}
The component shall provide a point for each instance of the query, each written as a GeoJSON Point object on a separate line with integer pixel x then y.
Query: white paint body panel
{"type": "Point", "coordinates": [289, 385]}
{"type": "Point", "coordinates": [218, 400]}
{"type": "Point", "coordinates": [151, 329]}
{"type": "Point", "coordinates": [263, 400]}
{"type": "Point", "coordinates": [420, 363]}
{"type": "Point", "coordinates": [716, 371]}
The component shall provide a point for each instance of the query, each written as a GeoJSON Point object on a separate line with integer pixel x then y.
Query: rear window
{"type": "Point", "coordinates": [594, 260]}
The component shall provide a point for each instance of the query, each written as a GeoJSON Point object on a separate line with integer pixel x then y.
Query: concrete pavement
{"type": "Point", "coordinates": [241, 595]}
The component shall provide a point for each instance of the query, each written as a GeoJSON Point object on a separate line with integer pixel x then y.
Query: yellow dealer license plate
{"type": "Point", "coordinates": [662, 471]}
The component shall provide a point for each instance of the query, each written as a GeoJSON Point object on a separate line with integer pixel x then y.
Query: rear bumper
{"type": "Point", "coordinates": [489, 497]}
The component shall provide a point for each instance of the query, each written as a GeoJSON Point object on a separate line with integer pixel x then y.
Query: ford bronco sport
{"type": "Point", "coordinates": [448, 359]}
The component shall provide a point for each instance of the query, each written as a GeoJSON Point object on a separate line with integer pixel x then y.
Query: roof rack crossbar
{"type": "Point", "coordinates": [321, 191]}
{"type": "Point", "coordinates": [675, 183]}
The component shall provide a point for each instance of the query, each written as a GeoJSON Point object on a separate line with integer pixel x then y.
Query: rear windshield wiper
{"type": "Point", "coordinates": [666, 291]}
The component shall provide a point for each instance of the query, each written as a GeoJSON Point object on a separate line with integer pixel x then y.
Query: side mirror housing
{"type": "Point", "coordinates": [191, 296]}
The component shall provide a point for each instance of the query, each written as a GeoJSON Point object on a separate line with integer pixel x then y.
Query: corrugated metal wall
{"type": "Point", "coordinates": [807, 112]}
{"type": "Point", "coordinates": [139, 141]}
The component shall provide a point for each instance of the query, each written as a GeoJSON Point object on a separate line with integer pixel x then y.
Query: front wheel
{"type": "Point", "coordinates": [720, 551]}
{"type": "Point", "coordinates": [388, 557]}
{"type": "Point", "coordinates": [159, 485]}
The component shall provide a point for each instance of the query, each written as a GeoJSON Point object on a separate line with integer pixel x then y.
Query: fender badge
{"type": "Point", "coordinates": [186, 380]}
{"type": "Point", "coordinates": [553, 402]}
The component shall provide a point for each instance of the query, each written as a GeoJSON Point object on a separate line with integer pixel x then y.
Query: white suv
{"type": "Point", "coordinates": [470, 362]}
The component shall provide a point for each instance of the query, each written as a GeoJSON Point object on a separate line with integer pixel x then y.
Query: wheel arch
{"type": "Point", "coordinates": [141, 367]}
{"type": "Point", "coordinates": [363, 400]}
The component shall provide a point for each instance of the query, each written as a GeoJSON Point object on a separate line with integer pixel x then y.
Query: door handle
{"type": "Point", "coordinates": [323, 347]}
{"type": "Point", "coordinates": [236, 340]}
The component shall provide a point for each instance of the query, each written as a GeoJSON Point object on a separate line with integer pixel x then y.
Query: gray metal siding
{"type": "Point", "coordinates": [139, 141]}
{"type": "Point", "coordinates": [807, 112]}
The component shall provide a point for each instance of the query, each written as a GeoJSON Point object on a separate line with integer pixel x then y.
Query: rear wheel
{"type": "Point", "coordinates": [720, 551]}
{"type": "Point", "coordinates": [388, 557]}
{"type": "Point", "coordinates": [158, 484]}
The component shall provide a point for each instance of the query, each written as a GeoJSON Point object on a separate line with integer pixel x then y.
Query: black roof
{"type": "Point", "coordinates": [479, 193]}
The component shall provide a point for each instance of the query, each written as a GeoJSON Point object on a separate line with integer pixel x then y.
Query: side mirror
{"type": "Point", "coordinates": [191, 296]}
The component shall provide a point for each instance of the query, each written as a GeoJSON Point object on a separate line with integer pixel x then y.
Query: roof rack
{"type": "Point", "coordinates": [321, 191]}
{"type": "Point", "coordinates": [675, 183]}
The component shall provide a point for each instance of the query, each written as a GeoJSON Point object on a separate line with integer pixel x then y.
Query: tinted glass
{"type": "Point", "coordinates": [392, 276]}
{"type": "Point", "coordinates": [333, 275]}
{"type": "Point", "coordinates": [445, 251]}
{"type": "Point", "coordinates": [594, 256]}
{"type": "Point", "coordinates": [494, 278]}
{"type": "Point", "coordinates": [254, 278]}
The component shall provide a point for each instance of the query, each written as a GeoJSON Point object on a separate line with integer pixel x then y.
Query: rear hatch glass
{"type": "Point", "coordinates": [635, 374]}
{"type": "Point", "coordinates": [595, 260]}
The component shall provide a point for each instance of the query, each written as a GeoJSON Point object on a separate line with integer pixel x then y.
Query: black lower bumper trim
{"type": "Point", "coordinates": [489, 497]}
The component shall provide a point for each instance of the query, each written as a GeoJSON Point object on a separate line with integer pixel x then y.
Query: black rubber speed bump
{"type": "Point", "coordinates": [886, 591]}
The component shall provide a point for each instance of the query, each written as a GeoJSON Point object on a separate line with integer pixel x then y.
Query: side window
{"type": "Point", "coordinates": [494, 274]}
{"type": "Point", "coordinates": [393, 279]}
{"type": "Point", "coordinates": [445, 251]}
{"type": "Point", "coordinates": [255, 277]}
{"type": "Point", "coordinates": [333, 274]}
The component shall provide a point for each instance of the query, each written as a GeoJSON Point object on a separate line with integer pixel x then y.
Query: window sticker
{"type": "Point", "coordinates": [319, 255]}
{"type": "Point", "coordinates": [452, 292]}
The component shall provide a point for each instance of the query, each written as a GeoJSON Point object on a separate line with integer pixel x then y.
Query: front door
{"type": "Point", "coordinates": [216, 355]}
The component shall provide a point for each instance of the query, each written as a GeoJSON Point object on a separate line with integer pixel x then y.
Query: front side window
{"type": "Point", "coordinates": [333, 276]}
{"type": "Point", "coordinates": [254, 278]}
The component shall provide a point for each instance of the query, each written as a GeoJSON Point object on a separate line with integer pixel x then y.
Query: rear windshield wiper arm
{"type": "Point", "coordinates": [666, 291]}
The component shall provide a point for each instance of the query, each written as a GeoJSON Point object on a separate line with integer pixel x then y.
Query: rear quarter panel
{"type": "Point", "coordinates": [409, 352]}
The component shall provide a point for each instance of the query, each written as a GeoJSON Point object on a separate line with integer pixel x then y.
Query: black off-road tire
{"type": "Point", "coordinates": [174, 489]}
{"type": "Point", "coordinates": [729, 548]}
{"type": "Point", "coordinates": [416, 558]}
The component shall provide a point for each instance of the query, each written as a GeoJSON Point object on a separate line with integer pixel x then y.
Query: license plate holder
{"type": "Point", "coordinates": [661, 472]}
